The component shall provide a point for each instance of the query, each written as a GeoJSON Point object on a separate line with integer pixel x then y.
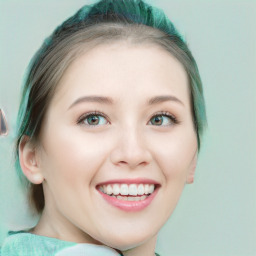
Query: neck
{"type": "Point", "coordinates": [52, 224]}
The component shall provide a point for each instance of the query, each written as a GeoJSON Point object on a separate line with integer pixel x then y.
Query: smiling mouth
{"type": "Point", "coordinates": [128, 192]}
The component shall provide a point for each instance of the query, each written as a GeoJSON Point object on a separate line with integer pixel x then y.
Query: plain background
{"type": "Point", "coordinates": [216, 216]}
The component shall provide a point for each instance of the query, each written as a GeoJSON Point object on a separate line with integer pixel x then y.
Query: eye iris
{"type": "Point", "coordinates": [94, 120]}
{"type": "Point", "coordinates": [157, 120]}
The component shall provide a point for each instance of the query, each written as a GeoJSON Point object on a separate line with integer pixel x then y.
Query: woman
{"type": "Point", "coordinates": [111, 119]}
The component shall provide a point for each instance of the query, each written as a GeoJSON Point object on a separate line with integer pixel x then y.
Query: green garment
{"type": "Point", "coordinates": [22, 243]}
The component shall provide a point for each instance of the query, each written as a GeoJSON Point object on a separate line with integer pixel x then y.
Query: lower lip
{"type": "Point", "coordinates": [129, 206]}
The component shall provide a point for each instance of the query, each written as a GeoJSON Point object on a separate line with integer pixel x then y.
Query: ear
{"type": "Point", "coordinates": [29, 161]}
{"type": "Point", "coordinates": [192, 169]}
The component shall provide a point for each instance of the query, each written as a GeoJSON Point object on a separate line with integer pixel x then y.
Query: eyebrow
{"type": "Point", "coordinates": [98, 99]}
{"type": "Point", "coordinates": [164, 98]}
{"type": "Point", "coordinates": [109, 101]}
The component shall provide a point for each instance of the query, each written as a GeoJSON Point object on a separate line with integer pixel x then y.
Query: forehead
{"type": "Point", "coordinates": [122, 70]}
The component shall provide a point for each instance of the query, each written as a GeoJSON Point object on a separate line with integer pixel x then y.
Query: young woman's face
{"type": "Point", "coordinates": [120, 122]}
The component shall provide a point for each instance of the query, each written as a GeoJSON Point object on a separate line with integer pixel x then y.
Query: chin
{"type": "Point", "coordinates": [125, 241]}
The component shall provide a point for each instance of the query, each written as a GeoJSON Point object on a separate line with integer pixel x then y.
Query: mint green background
{"type": "Point", "coordinates": [216, 216]}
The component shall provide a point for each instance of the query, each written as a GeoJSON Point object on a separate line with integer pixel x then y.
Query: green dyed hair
{"type": "Point", "coordinates": [104, 22]}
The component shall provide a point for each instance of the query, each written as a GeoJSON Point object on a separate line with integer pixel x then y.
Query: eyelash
{"type": "Point", "coordinates": [81, 119]}
{"type": "Point", "coordinates": [173, 119]}
{"type": "Point", "coordinates": [87, 115]}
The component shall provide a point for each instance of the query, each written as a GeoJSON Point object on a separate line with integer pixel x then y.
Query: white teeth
{"type": "Point", "coordinates": [141, 189]}
{"type": "Point", "coordinates": [133, 190]}
{"type": "Point", "coordinates": [125, 190]}
{"type": "Point", "coordinates": [146, 189]}
{"type": "Point", "coordinates": [116, 189]}
{"type": "Point", "coordinates": [143, 197]}
{"type": "Point", "coordinates": [134, 198]}
{"type": "Point", "coordinates": [151, 188]}
{"type": "Point", "coordinates": [130, 198]}
{"type": "Point", "coordinates": [109, 190]}
{"type": "Point", "coordinates": [124, 198]}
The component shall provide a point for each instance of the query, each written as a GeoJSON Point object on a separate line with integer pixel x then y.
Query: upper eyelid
{"type": "Point", "coordinates": [163, 113]}
{"type": "Point", "coordinates": [91, 113]}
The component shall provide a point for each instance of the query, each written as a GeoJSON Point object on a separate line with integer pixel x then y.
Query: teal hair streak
{"type": "Point", "coordinates": [22, 123]}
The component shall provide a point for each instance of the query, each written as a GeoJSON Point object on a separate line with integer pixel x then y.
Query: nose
{"type": "Point", "coordinates": [130, 149]}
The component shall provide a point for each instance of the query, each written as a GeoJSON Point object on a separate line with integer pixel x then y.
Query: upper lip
{"type": "Point", "coordinates": [129, 181]}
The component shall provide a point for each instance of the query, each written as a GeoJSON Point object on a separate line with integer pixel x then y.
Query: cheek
{"type": "Point", "coordinates": [175, 154]}
{"type": "Point", "coordinates": [72, 158]}
{"type": "Point", "coordinates": [70, 165]}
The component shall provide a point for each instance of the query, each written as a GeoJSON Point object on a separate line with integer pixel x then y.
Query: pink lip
{"type": "Point", "coordinates": [129, 206]}
{"type": "Point", "coordinates": [129, 181]}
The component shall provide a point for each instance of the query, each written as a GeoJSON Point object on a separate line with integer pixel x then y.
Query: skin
{"type": "Point", "coordinates": [73, 158]}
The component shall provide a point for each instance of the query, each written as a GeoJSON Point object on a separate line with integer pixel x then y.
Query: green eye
{"type": "Point", "coordinates": [96, 120]}
{"type": "Point", "coordinates": [93, 120]}
{"type": "Point", "coordinates": [162, 120]}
